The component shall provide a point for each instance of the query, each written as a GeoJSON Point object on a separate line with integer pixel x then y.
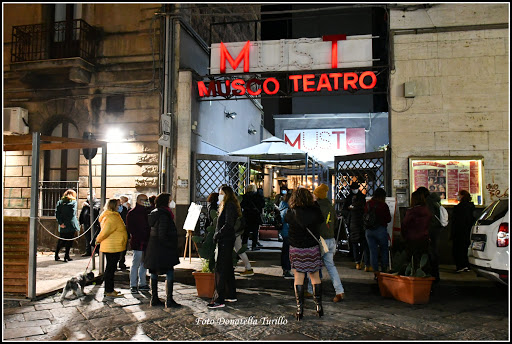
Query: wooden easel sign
{"type": "Point", "coordinates": [190, 224]}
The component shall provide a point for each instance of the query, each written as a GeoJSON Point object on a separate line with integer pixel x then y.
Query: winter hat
{"type": "Point", "coordinates": [321, 191]}
{"type": "Point", "coordinates": [354, 185]}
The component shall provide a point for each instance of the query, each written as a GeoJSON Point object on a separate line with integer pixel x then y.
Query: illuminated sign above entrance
{"type": "Point", "coordinates": [325, 144]}
{"type": "Point", "coordinates": [328, 52]}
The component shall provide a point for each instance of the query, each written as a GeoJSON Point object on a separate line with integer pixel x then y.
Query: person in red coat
{"type": "Point", "coordinates": [377, 237]}
{"type": "Point", "coordinates": [138, 227]}
{"type": "Point", "coordinates": [415, 227]}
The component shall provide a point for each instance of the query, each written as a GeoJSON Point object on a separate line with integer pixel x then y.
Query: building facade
{"type": "Point", "coordinates": [114, 69]}
{"type": "Point", "coordinates": [457, 55]}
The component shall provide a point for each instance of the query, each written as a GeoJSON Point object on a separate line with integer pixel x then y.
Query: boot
{"type": "Point", "coordinates": [169, 302]}
{"type": "Point", "coordinates": [155, 301]}
{"type": "Point", "coordinates": [57, 258]}
{"type": "Point", "coordinates": [317, 297]}
{"type": "Point", "coordinates": [299, 297]}
{"type": "Point", "coordinates": [66, 256]}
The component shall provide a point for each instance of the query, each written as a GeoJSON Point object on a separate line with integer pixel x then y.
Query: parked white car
{"type": "Point", "coordinates": [489, 252]}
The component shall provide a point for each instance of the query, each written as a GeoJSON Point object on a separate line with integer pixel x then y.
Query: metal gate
{"type": "Point", "coordinates": [211, 171]}
{"type": "Point", "coordinates": [371, 170]}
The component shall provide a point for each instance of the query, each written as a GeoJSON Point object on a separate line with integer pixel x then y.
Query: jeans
{"type": "Point", "coordinates": [378, 239]}
{"type": "Point", "coordinates": [110, 269]}
{"type": "Point", "coordinates": [169, 275]}
{"type": "Point", "coordinates": [137, 271]}
{"type": "Point", "coordinates": [285, 254]}
{"type": "Point", "coordinates": [243, 256]}
{"type": "Point", "coordinates": [328, 260]}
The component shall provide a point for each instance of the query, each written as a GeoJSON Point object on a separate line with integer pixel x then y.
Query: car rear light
{"type": "Point", "coordinates": [503, 235]}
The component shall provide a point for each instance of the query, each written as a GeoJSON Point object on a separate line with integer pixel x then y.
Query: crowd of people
{"type": "Point", "coordinates": [308, 226]}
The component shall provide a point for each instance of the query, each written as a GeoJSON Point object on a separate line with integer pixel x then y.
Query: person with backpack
{"type": "Point", "coordinates": [375, 220]}
{"type": "Point", "coordinates": [327, 232]}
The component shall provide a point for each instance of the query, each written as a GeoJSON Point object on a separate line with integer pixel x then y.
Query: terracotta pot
{"type": "Point", "coordinates": [412, 290]}
{"type": "Point", "coordinates": [205, 283]}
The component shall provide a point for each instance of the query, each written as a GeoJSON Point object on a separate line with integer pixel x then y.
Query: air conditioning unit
{"type": "Point", "coordinates": [15, 120]}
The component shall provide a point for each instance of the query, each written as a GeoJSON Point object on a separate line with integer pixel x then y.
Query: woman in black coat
{"type": "Point", "coordinates": [462, 221]}
{"type": "Point", "coordinates": [355, 206]}
{"type": "Point", "coordinates": [224, 237]}
{"type": "Point", "coordinates": [305, 256]}
{"type": "Point", "coordinates": [161, 254]}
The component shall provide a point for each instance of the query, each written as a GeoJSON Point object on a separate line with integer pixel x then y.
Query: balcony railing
{"type": "Point", "coordinates": [55, 40]}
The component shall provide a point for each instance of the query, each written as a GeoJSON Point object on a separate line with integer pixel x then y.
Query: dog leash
{"type": "Point", "coordinates": [90, 259]}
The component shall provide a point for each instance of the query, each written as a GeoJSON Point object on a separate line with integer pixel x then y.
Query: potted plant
{"type": "Point", "coordinates": [205, 279]}
{"type": "Point", "coordinates": [407, 281]}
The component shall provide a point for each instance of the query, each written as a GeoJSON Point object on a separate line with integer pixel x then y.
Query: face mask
{"type": "Point", "coordinates": [355, 191]}
{"type": "Point", "coordinates": [120, 208]}
{"type": "Point", "coordinates": [284, 192]}
{"type": "Point", "coordinates": [172, 204]}
{"type": "Point", "coordinates": [145, 203]}
{"type": "Point", "coordinates": [221, 197]}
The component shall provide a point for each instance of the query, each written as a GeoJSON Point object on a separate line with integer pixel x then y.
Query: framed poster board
{"type": "Point", "coordinates": [447, 175]}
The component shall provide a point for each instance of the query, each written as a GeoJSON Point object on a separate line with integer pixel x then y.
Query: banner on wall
{"type": "Point", "coordinates": [325, 144]}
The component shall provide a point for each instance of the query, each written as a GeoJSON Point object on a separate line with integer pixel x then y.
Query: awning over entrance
{"type": "Point", "coordinates": [272, 150]}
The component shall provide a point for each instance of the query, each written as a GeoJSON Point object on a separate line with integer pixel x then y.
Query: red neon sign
{"type": "Point", "coordinates": [334, 48]}
{"type": "Point", "coordinates": [326, 81]}
{"type": "Point", "coordinates": [225, 55]}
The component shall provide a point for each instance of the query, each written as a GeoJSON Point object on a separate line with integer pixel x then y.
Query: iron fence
{"type": "Point", "coordinates": [51, 193]}
{"type": "Point", "coordinates": [64, 39]}
{"type": "Point", "coordinates": [371, 170]}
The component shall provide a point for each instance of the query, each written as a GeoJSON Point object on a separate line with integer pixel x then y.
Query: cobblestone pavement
{"type": "Point", "coordinates": [461, 307]}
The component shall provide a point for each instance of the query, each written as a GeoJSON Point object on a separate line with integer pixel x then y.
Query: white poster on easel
{"type": "Point", "coordinates": [193, 215]}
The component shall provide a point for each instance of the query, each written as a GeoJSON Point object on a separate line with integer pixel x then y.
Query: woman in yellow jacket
{"type": "Point", "coordinates": [113, 237]}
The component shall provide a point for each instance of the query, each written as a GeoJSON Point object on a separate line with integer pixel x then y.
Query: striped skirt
{"type": "Point", "coordinates": [306, 259]}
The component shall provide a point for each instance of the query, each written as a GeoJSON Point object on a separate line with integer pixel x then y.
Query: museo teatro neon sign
{"type": "Point", "coordinates": [332, 52]}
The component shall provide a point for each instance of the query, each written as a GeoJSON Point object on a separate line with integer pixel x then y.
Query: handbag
{"type": "Point", "coordinates": [323, 245]}
{"type": "Point", "coordinates": [443, 213]}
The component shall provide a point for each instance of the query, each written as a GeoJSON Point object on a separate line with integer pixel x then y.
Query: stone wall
{"type": "Point", "coordinates": [16, 180]}
{"type": "Point", "coordinates": [461, 107]}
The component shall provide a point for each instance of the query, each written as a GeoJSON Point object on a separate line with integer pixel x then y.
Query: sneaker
{"type": "Point", "coordinates": [247, 273]}
{"type": "Point", "coordinates": [259, 245]}
{"type": "Point", "coordinates": [86, 254]}
{"type": "Point", "coordinates": [466, 269]}
{"type": "Point", "coordinates": [215, 305]}
{"type": "Point", "coordinates": [231, 300]}
{"type": "Point", "coordinates": [288, 275]}
{"type": "Point", "coordinates": [123, 267]}
{"type": "Point", "coordinates": [461, 270]}
{"type": "Point", "coordinates": [144, 288]}
{"type": "Point", "coordinates": [115, 293]}
{"type": "Point", "coordinates": [134, 290]}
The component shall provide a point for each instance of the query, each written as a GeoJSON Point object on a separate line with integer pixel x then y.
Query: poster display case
{"type": "Point", "coordinates": [447, 175]}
